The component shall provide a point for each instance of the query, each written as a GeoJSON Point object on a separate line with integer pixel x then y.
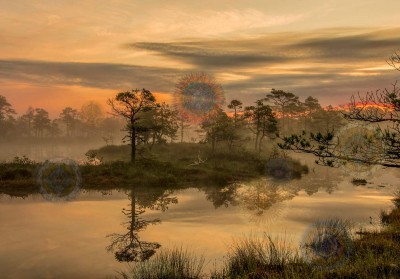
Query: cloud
{"type": "Point", "coordinates": [180, 23]}
{"type": "Point", "coordinates": [328, 88]}
{"type": "Point", "coordinates": [97, 75]}
{"type": "Point", "coordinates": [278, 49]}
{"type": "Point", "coordinates": [349, 48]}
{"type": "Point", "coordinates": [209, 58]}
{"type": "Point", "coordinates": [328, 64]}
{"type": "Point", "coordinates": [331, 64]}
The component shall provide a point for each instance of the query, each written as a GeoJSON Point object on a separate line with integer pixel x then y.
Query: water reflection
{"type": "Point", "coordinates": [128, 246]}
{"type": "Point", "coordinates": [266, 200]}
{"type": "Point", "coordinates": [222, 196]}
{"type": "Point", "coordinates": [205, 220]}
{"type": "Point", "coordinates": [261, 201]}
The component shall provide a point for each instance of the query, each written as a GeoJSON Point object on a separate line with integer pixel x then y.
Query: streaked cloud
{"type": "Point", "coordinates": [328, 64]}
{"type": "Point", "coordinates": [213, 22]}
{"type": "Point", "coordinates": [95, 75]}
{"type": "Point", "coordinates": [307, 47]}
{"type": "Point", "coordinates": [279, 49]}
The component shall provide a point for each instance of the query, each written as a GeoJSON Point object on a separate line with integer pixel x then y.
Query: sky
{"type": "Point", "coordinates": [58, 53]}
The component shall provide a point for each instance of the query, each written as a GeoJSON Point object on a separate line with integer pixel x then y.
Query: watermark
{"type": "Point", "coordinates": [327, 245]}
{"type": "Point", "coordinates": [263, 202]}
{"type": "Point", "coordinates": [198, 95]}
{"type": "Point", "coordinates": [361, 148]}
{"type": "Point", "coordinates": [59, 179]}
{"type": "Point", "coordinates": [279, 169]}
{"type": "Point", "coordinates": [267, 200]}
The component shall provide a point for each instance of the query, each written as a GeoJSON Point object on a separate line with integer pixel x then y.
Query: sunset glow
{"type": "Point", "coordinates": [203, 139]}
{"type": "Point", "coordinates": [54, 49]}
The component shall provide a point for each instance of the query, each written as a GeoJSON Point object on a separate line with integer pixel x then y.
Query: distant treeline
{"type": "Point", "coordinates": [90, 121]}
{"type": "Point", "coordinates": [236, 125]}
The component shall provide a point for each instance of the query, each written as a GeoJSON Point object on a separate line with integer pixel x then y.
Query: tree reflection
{"type": "Point", "coordinates": [321, 178]}
{"type": "Point", "coordinates": [265, 200]}
{"type": "Point", "coordinates": [261, 195]}
{"type": "Point", "coordinates": [129, 247]}
{"type": "Point", "coordinates": [222, 196]}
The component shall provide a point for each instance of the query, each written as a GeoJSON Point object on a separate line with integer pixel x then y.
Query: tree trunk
{"type": "Point", "coordinates": [181, 130]}
{"type": "Point", "coordinates": [153, 141]}
{"type": "Point", "coordinates": [213, 140]}
{"type": "Point", "coordinates": [259, 144]}
{"type": "Point", "coordinates": [284, 125]}
{"type": "Point", "coordinates": [235, 117]}
{"type": "Point", "coordinates": [133, 144]}
{"type": "Point", "coordinates": [257, 136]}
{"type": "Point", "coordinates": [230, 144]}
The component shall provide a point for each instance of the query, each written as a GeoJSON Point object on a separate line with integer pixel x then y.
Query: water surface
{"type": "Point", "coordinates": [42, 239]}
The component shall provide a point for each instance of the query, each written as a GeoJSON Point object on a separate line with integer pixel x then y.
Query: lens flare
{"type": "Point", "coordinates": [263, 203]}
{"type": "Point", "coordinates": [59, 179]}
{"type": "Point", "coordinates": [362, 145]}
{"type": "Point", "coordinates": [198, 95]}
{"type": "Point", "coordinates": [279, 169]}
{"type": "Point", "coordinates": [327, 244]}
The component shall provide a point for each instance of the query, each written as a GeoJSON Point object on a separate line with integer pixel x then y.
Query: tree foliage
{"type": "Point", "coordinates": [261, 120]}
{"type": "Point", "coordinates": [380, 108]}
{"type": "Point", "coordinates": [282, 100]}
{"type": "Point", "coordinates": [218, 127]}
{"type": "Point", "coordinates": [6, 110]}
{"type": "Point", "coordinates": [311, 104]}
{"type": "Point", "coordinates": [41, 121]}
{"type": "Point", "coordinates": [236, 105]}
{"type": "Point", "coordinates": [70, 118]}
{"type": "Point", "coordinates": [129, 105]}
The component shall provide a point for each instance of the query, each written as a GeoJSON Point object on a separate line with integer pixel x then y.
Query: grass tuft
{"type": "Point", "coordinates": [260, 257]}
{"type": "Point", "coordinates": [169, 264]}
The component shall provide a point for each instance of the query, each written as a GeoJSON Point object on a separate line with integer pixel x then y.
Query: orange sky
{"type": "Point", "coordinates": [55, 98]}
{"type": "Point", "coordinates": [60, 53]}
